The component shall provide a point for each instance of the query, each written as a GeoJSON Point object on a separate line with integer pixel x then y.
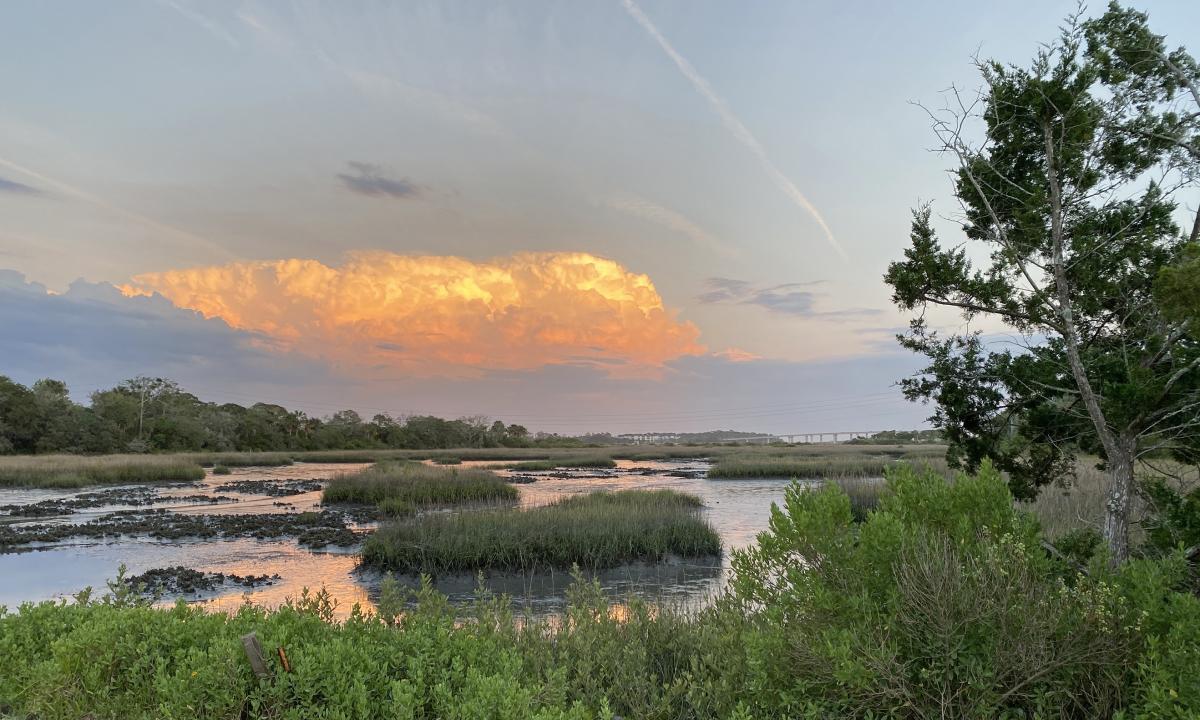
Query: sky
{"type": "Point", "coordinates": [625, 216]}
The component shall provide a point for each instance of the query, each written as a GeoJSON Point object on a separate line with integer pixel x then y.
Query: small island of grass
{"type": "Point", "coordinates": [396, 486]}
{"type": "Point", "coordinates": [598, 530]}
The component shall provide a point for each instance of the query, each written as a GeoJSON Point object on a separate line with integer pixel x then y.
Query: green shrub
{"type": "Point", "coordinates": [942, 602]}
{"type": "Point", "coordinates": [221, 470]}
{"type": "Point", "coordinates": [1173, 517]}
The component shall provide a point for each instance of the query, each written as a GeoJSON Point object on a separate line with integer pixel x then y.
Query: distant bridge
{"type": "Point", "coordinates": [811, 437]}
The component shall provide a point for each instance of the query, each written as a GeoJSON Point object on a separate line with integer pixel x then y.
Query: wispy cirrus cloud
{"type": "Point", "coordinates": [732, 122]}
{"type": "Point", "coordinates": [195, 16]}
{"type": "Point", "coordinates": [373, 181]}
{"type": "Point", "coordinates": [670, 219]}
{"type": "Point", "coordinates": [786, 299]}
{"type": "Point", "coordinates": [178, 235]}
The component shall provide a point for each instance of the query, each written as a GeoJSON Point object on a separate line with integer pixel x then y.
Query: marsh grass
{"type": "Point", "coordinates": [593, 461]}
{"type": "Point", "coordinates": [597, 530]}
{"type": "Point", "coordinates": [447, 460]}
{"type": "Point", "coordinates": [72, 471]}
{"type": "Point", "coordinates": [1079, 503]}
{"type": "Point", "coordinates": [864, 493]}
{"type": "Point", "coordinates": [221, 470]}
{"type": "Point", "coordinates": [239, 459]}
{"type": "Point", "coordinates": [395, 507]}
{"type": "Point", "coordinates": [81, 471]}
{"type": "Point", "coordinates": [417, 485]}
{"type": "Point", "coordinates": [798, 466]}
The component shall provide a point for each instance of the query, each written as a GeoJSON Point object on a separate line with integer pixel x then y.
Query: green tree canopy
{"type": "Point", "coordinates": [1070, 174]}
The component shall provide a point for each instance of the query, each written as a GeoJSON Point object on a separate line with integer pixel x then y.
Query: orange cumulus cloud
{"type": "Point", "coordinates": [439, 313]}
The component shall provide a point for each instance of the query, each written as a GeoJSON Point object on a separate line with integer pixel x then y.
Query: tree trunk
{"type": "Point", "coordinates": [1117, 450]}
{"type": "Point", "coordinates": [1120, 498]}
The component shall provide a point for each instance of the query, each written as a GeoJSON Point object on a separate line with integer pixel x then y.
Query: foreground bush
{"type": "Point", "coordinates": [597, 530]}
{"type": "Point", "coordinates": [940, 604]}
{"type": "Point", "coordinates": [943, 603]}
{"type": "Point", "coordinates": [417, 484]}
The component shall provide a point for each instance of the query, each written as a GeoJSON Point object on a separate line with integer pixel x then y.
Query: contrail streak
{"type": "Point", "coordinates": [103, 204]}
{"type": "Point", "coordinates": [732, 123]}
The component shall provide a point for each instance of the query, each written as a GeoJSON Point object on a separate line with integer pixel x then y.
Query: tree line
{"type": "Point", "coordinates": [146, 414]}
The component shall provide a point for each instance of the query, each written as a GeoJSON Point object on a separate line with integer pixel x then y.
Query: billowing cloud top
{"type": "Point", "coordinates": [435, 314]}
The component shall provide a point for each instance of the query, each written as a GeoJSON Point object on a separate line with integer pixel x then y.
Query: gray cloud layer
{"type": "Point", "coordinates": [93, 336]}
{"type": "Point", "coordinates": [371, 180]}
{"type": "Point", "coordinates": [15, 188]}
{"type": "Point", "coordinates": [786, 299]}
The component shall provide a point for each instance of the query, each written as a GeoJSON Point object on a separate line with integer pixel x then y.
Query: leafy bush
{"type": "Point", "coordinates": [942, 602]}
{"type": "Point", "coordinates": [1173, 517]}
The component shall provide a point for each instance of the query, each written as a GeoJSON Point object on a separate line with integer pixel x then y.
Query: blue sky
{"type": "Point", "coordinates": [138, 138]}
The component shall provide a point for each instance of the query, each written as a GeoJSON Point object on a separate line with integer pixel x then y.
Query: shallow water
{"type": "Point", "coordinates": [737, 509]}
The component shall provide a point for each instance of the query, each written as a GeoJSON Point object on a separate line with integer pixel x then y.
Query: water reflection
{"type": "Point", "coordinates": [738, 510]}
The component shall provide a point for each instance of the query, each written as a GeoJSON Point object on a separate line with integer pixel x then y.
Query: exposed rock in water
{"type": "Point", "coordinates": [273, 488]}
{"type": "Point", "coordinates": [131, 496]}
{"type": "Point", "coordinates": [312, 529]}
{"type": "Point", "coordinates": [180, 580]}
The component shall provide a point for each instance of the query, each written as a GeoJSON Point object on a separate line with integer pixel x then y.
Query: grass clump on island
{"type": "Point", "coordinates": [798, 466]}
{"type": "Point", "coordinates": [590, 461]}
{"type": "Point", "coordinates": [395, 485]}
{"type": "Point", "coordinates": [73, 471]}
{"type": "Point", "coordinates": [241, 459]}
{"type": "Point", "coordinates": [833, 462]}
{"type": "Point", "coordinates": [598, 530]}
